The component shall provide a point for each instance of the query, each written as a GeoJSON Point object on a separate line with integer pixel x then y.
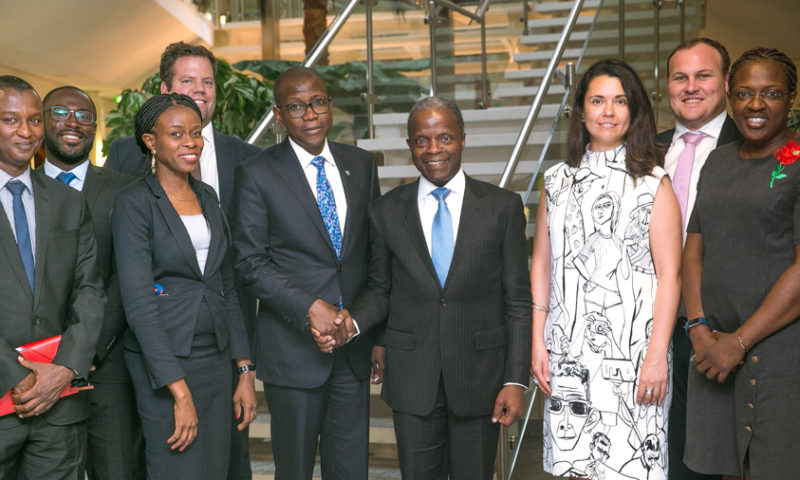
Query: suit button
{"type": "Point", "coordinates": [753, 382]}
{"type": "Point", "coordinates": [750, 405]}
{"type": "Point", "coordinates": [747, 428]}
{"type": "Point", "coordinates": [754, 358]}
{"type": "Point", "coordinates": [35, 320]}
{"type": "Point", "coordinates": [443, 302]}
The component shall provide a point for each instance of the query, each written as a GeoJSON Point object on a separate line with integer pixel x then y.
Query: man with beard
{"type": "Point", "coordinates": [51, 286]}
{"type": "Point", "coordinates": [114, 432]}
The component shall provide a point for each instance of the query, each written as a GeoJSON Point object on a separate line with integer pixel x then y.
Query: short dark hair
{"type": "Point", "coordinates": [15, 83]}
{"type": "Point", "coordinates": [176, 50]}
{"type": "Point", "coordinates": [760, 54]}
{"type": "Point", "coordinates": [642, 152]}
{"type": "Point", "coordinates": [438, 103]}
{"type": "Point", "coordinates": [69, 87]}
{"type": "Point", "coordinates": [153, 108]}
{"type": "Point", "coordinates": [720, 48]}
{"type": "Point", "coordinates": [294, 72]}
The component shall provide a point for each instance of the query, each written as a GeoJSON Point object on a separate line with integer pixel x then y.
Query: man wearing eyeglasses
{"type": "Point", "coordinates": [697, 82]}
{"type": "Point", "coordinates": [301, 242]}
{"type": "Point", "coordinates": [114, 432]}
{"type": "Point", "coordinates": [191, 70]}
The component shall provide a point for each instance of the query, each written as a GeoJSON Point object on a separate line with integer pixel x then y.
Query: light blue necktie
{"type": "Point", "coordinates": [21, 227]}
{"type": "Point", "coordinates": [327, 205]}
{"type": "Point", "coordinates": [66, 177]}
{"type": "Point", "coordinates": [442, 236]}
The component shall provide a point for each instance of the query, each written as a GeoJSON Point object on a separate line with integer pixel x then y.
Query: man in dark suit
{"type": "Point", "coordinates": [51, 286]}
{"type": "Point", "coordinates": [191, 70]}
{"type": "Point", "coordinates": [450, 277]}
{"type": "Point", "coordinates": [114, 431]}
{"type": "Point", "coordinates": [697, 82]}
{"type": "Point", "coordinates": [301, 240]}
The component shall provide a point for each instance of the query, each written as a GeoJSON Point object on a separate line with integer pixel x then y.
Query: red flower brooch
{"type": "Point", "coordinates": [786, 155]}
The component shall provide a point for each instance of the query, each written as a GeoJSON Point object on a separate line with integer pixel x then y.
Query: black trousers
{"type": "Point", "coordinates": [442, 443]}
{"type": "Point", "coordinates": [676, 436]}
{"type": "Point", "coordinates": [333, 417]}
{"type": "Point", "coordinates": [115, 443]}
{"type": "Point", "coordinates": [32, 449]}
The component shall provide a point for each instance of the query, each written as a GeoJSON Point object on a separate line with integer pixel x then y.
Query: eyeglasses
{"type": "Point", "coordinates": [578, 407]}
{"type": "Point", "coordinates": [61, 114]}
{"type": "Point", "coordinates": [767, 95]}
{"type": "Point", "coordinates": [318, 106]}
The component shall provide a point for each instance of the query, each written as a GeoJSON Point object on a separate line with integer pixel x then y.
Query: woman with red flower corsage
{"type": "Point", "coordinates": [741, 281]}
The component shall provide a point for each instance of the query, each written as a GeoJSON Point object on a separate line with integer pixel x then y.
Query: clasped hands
{"type": "Point", "coordinates": [330, 326]}
{"type": "Point", "coordinates": [717, 354]}
{"type": "Point", "coordinates": [41, 388]}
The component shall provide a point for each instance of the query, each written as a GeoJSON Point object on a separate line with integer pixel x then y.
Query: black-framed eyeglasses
{"type": "Point", "coordinates": [61, 114]}
{"type": "Point", "coordinates": [766, 95]}
{"type": "Point", "coordinates": [318, 105]}
{"type": "Point", "coordinates": [579, 408]}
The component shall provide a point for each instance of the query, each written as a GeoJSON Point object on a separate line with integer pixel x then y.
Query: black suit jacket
{"type": "Point", "coordinates": [728, 134]}
{"type": "Point", "coordinates": [100, 188]}
{"type": "Point", "coordinates": [151, 246]}
{"type": "Point", "coordinates": [285, 258]}
{"type": "Point", "coordinates": [475, 333]}
{"type": "Point", "coordinates": [68, 298]}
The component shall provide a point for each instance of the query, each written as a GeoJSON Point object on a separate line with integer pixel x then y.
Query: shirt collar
{"type": "Point", "coordinates": [456, 185]}
{"type": "Point", "coordinates": [305, 158]}
{"type": "Point", "coordinates": [208, 133]}
{"type": "Point", "coordinates": [79, 171]}
{"type": "Point", "coordinates": [25, 178]}
{"type": "Point", "coordinates": [711, 129]}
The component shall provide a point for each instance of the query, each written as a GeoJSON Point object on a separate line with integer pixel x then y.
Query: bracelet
{"type": "Point", "coordinates": [693, 323]}
{"type": "Point", "coordinates": [540, 308]}
{"type": "Point", "coordinates": [741, 344]}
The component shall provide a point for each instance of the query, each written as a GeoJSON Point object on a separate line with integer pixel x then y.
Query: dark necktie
{"type": "Point", "coordinates": [327, 205]}
{"type": "Point", "coordinates": [21, 227]}
{"type": "Point", "coordinates": [66, 177]}
{"type": "Point", "coordinates": [442, 236]}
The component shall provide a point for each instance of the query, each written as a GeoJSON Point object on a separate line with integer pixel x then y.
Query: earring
{"type": "Point", "coordinates": [153, 161]}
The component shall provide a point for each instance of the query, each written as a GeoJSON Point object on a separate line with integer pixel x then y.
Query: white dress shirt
{"type": "Point", "coordinates": [79, 171]}
{"type": "Point", "coordinates": [712, 130]}
{"type": "Point", "coordinates": [208, 159]}
{"type": "Point", "coordinates": [27, 203]}
{"type": "Point", "coordinates": [331, 172]}
{"type": "Point", "coordinates": [428, 205]}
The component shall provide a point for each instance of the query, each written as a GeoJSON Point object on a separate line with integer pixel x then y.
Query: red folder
{"type": "Point", "coordinates": [42, 351]}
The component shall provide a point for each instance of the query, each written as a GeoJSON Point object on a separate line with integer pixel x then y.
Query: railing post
{"type": "Point", "coordinates": [524, 17]}
{"type": "Point", "coordinates": [432, 20]}
{"type": "Point", "coordinates": [484, 75]}
{"type": "Point", "coordinates": [656, 57]}
{"type": "Point", "coordinates": [622, 30]}
{"type": "Point", "coordinates": [370, 96]}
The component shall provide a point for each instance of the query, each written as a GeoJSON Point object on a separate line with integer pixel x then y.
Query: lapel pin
{"type": "Point", "coordinates": [347, 172]}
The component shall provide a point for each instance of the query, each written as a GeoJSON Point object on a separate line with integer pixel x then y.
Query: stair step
{"type": "Point", "coordinates": [592, 52]}
{"type": "Point", "coordinates": [632, 35]}
{"type": "Point", "coordinates": [633, 16]}
{"type": "Point", "coordinates": [473, 141]}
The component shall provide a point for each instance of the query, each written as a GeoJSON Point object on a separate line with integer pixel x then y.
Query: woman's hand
{"type": "Point", "coordinates": [721, 357]}
{"type": "Point", "coordinates": [185, 417]}
{"type": "Point", "coordinates": [244, 399]}
{"type": "Point", "coordinates": [540, 368]}
{"type": "Point", "coordinates": [653, 378]}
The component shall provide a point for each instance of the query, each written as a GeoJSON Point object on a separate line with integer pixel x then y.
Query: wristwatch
{"type": "Point", "coordinates": [695, 322]}
{"type": "Point", "coordinates": [250, 367]}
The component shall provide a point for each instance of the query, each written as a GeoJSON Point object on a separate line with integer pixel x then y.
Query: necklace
{"type": "Point", "coordinates": [182, 199]}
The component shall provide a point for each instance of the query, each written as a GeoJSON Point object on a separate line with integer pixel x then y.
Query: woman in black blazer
{"type": "Point", "coordinates": [171, 242]}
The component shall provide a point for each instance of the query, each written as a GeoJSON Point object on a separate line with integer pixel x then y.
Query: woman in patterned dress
{"type": "Point", "coordinates": [606, 281]}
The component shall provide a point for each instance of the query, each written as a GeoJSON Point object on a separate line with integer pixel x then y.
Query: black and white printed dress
{"type": "Point", "coordinates": [603, 288]}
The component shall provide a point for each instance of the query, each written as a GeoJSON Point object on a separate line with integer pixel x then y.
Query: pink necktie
{"type": "Point", "coordinates": [683, 172]}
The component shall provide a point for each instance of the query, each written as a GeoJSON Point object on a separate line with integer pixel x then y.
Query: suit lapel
{"type": "Point", "coordinates": [213, 216]}
{"type": "Point", "coordinates": [41, 200]}
{"type": "Point", "coordinates": [413, 226]}
{"type": "Point", "coordinates": [93, 184]}
{"type": "Point", "coordinates": [223, 152]}
{"type": "Point", "coordinates": [287, 166]}
{"type": "Point", "coordinates": [175, 224]}
{"type": "Point", "coordinates": [345, 165]}
{"type": "Point", "coordinates": [9, 246]}
{"type": "Point", "coordinates": [470, 217]}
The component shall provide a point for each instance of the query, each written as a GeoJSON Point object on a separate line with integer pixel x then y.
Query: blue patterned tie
{"type": "Point", "coordinates": [21, 226]}
{"type": "Point", "coordinates": [327, 205]}
{"type": "Point", "coordinates": [66, 177]}
{"type": "Point", "coordinates": [442, 236]}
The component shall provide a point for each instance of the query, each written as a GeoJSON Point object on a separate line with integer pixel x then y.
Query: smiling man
{"type": "Point", "coordinates": [114, 432]}
{"type": "Point", "coordinates": [300, 235]}
{"type": "Point", "coordinates": [449, 279]}
{"type": "Point", "coordinates": [697, 83]}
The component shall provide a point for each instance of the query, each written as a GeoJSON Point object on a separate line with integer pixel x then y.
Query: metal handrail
{"type": "Point", "coordinates": [479, 16]}
{"type": "Point", "coordinates": [527, 126]}
{"type": "Point", "coordinates": [311, 59]}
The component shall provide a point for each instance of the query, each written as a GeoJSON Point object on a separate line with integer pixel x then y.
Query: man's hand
{"type": "Point", "coordinates": [378, 360]}
{"type": "Point", "coordinates": [50, 381]}
{"type": "Point", "coordinates": [323, 317]}
{"type": "Point", "coordinates": [508, 405]}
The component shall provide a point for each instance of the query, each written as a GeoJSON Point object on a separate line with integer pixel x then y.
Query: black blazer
{"type": "Point", "coordinates": [100, 188]}
{"type": "Point", "coordinates": [152, 245]}
{"type": "Point", "coordinates": [68, 289]}
{"type": "Point", "coordinates": [285, 258]}
{"type": "Point", "coordinates": [475, 333]}
{"type": "Point", "coordinates": [728, 134]}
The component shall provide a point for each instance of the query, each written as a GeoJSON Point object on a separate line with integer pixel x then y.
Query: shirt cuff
{"type": "Point", "coordinates": [355, 324]}
{"type": "Point", "coordinates": [524, 387]}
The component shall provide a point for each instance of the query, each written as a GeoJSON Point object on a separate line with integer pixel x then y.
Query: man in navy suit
{"type": "Point", "coordinates": [697, 82]}
{"type": "Point", "coordinates": [300, 235]}
{"type": "Point", "coordinates": [191, 70]}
